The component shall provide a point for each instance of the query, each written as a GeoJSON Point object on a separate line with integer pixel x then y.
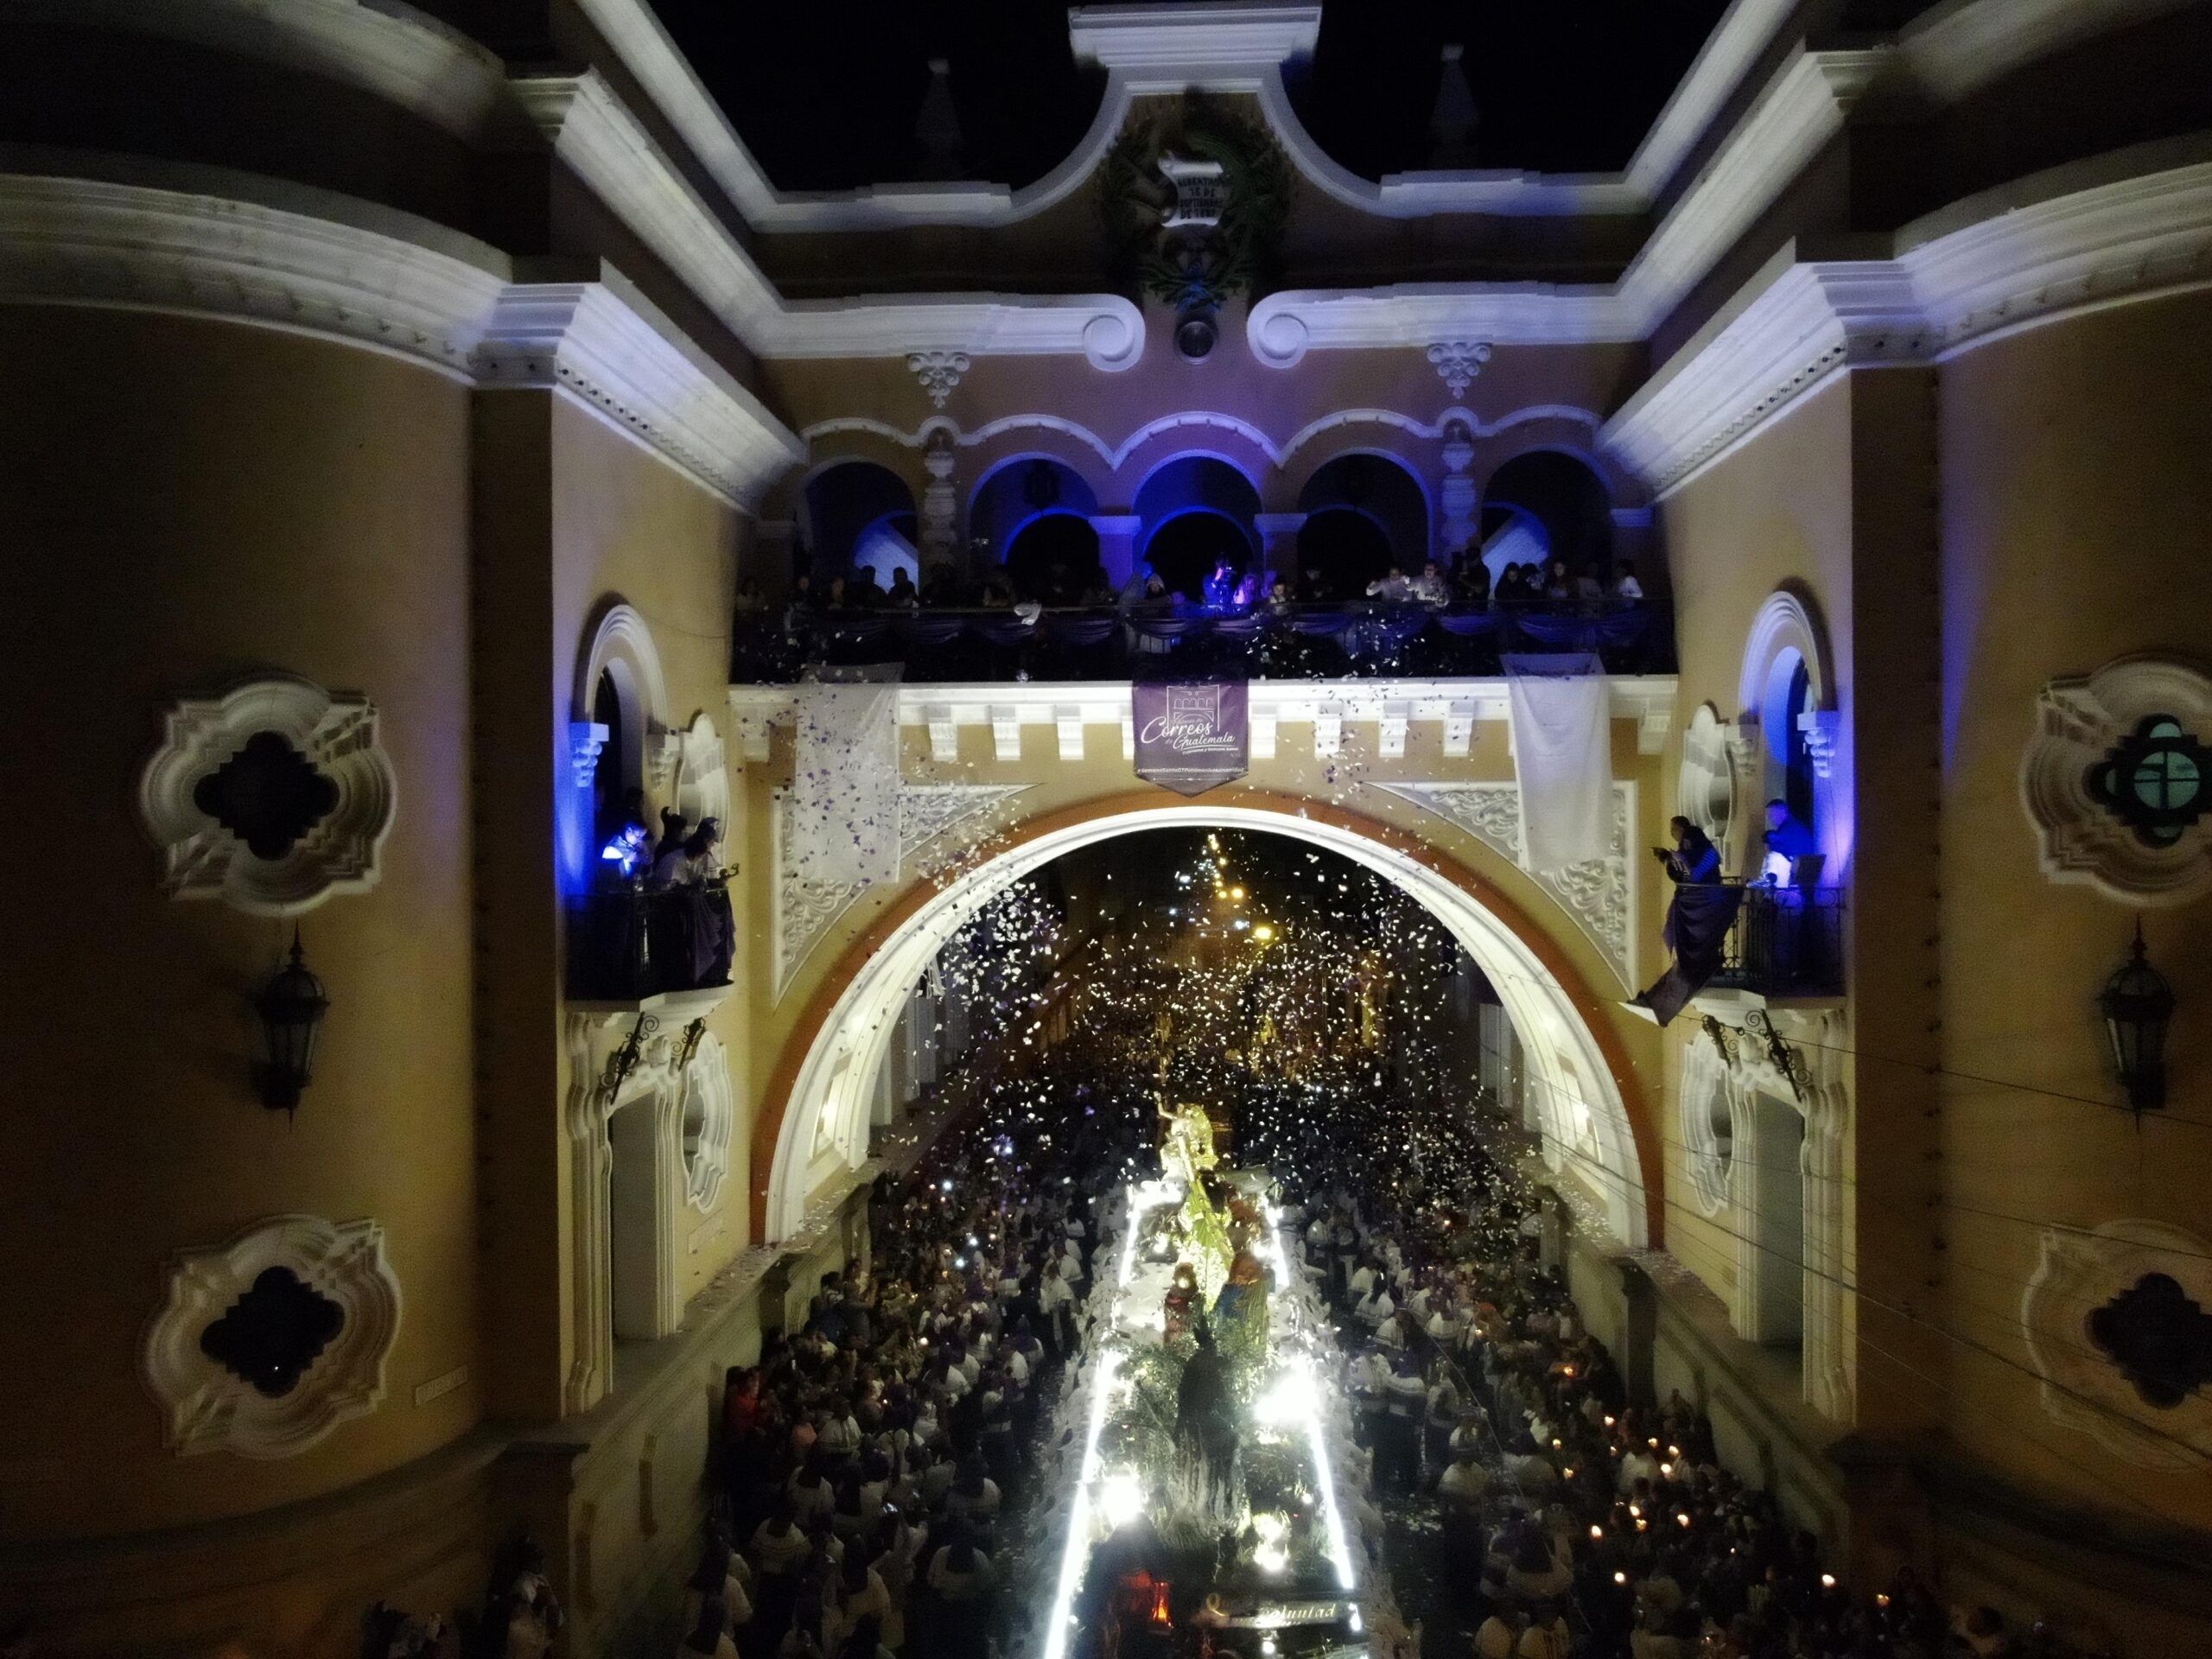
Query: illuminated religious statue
{"type": "Point", "coordinates": [1181, 1307]}
{"type": "Point", "coordinates": [1186, 1145]}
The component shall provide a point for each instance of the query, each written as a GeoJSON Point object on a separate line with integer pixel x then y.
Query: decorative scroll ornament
{"type": "Point", "coordinates": [1596, 894]}
{"type": "Point", "coordinates": [710, 1105]}
{"type": "Point", "coordinates": [1457, 362]}
{"type": "Point", "coordinates": [268, 1343]}
{"type": "Point", "coordinates": [2115, 784]}
{"type": "Point", "coordinates": [806, 910]}
{"type": "Point", "coordinates": [939, 371]}
{"type": "Point", "coordinates": [1708, 1109]}
{"type": "Point", "coordinates": [272, 798]}
{"type": "Point", "coordinates": [2077, 1314]}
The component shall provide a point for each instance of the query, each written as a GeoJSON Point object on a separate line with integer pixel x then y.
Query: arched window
{"type": "Point", "coordinates": [1379, 489]}
{"type": "Point", "coordinates": [1548, 504]}
{"type": "Point", "coordinates": [1053, 558]}
{"type": "Point", "coordinates": [1340, 551]}
{"type": "Point", "coordinates": [611, 784]}
{"type": "Point", "coordinates": [1789, 757]}
{"type": "Point", "coordinates": [858, 513]}
{"type": "Point", "coordinates": [1197, 511]}
{"type": "Point", "coordinates": [1016, 494]}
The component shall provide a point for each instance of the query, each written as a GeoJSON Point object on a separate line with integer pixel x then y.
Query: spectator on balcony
{"type": "Point", "coordinates": [1513, 589]}
{"type": "Point", "coordinates": [902, 596]}
{"type": "Point", "coordinates": [997, 596]}
{"type": "Point", "coordinates": [840, 597]}
{"type": "Point", "coordinates": [1218, 591]}
{"type": "Point", "coordinates": [1699, 917]}
{"type": "Point", "coordinates": [940, 587]}
{"type": "Point", "coordinates": [1430, 588]}
{"type": "Point", "coordinates": [1393, 590]}
{"type": "Point", "coordinates": [1138, 587]}
{"type": "Point", "coordinates": [1558, 586]}
{"type": "Point", "coordinates": [1792, 849]}
{"type": "Point", "coordinates": [1097, 593]}
{"type": "Point", "coordinates": [1471, 584]}
{"type": "Point", "coordinates": [801, 602]}
{"type": "Point", "coordinates": [1625, 585]}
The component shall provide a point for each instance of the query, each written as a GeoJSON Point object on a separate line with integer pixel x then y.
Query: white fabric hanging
{"type": "Point", "coordinates": [845, 800]}
{"type": "Point", "coordinates": [1563, 756]}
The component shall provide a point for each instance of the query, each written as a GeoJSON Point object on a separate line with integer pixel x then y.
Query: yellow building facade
{"type": "Point", "coordinates": [438, 389]}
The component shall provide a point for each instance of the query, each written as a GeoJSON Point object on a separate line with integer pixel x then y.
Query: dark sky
{"type": "Point", "coordinates": [825, 92]}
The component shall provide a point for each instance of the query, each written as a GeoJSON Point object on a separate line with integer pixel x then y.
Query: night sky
{"type": "Point", "coordinates": [825, 94]}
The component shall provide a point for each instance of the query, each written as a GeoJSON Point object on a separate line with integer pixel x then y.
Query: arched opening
{"type": "Point", "coordinates": [1379, 489]}
{"type": "Point", "coordinates": [615, 792]}
{"type": "Point", "coordinates": [1196, 512]}
{"type": "Point", "coordinates": [1016, 495]}
{"type": "Point", "coordinates": [1789, 698]}
{"type": "Point", "coordinates": [856, 509]}
{"type": "Point", "coordinates": [1187, 549]}
{"type": "Point", "coordinates": [1053, 559]}
{"type": "Point", "coordinates": [1582, 1092]}
{"type": "Point", "coordinates": [1548, 505]}
{"type": "Point", "coordinates": [1340, 551]}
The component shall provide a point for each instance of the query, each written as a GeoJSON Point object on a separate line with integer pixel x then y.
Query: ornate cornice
{"type": "Point", "coordinates": [199, 244]}
{"type": "Point", "coordinates": [2018, 261]}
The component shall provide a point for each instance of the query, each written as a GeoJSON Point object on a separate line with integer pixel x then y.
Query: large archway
{"type": "Point", "coordinates": [813, 1119]}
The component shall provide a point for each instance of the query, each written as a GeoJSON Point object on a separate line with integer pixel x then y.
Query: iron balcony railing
{"type": "Point", "coordinates": [628, 942]}
{"type": "Point", "coordinates": [1372, 639]}
{"type": "Point", "coordinates": [1785, 941]}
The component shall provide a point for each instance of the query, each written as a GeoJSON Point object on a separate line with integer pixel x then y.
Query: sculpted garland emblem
{"type": "Point", "coordinates": [1192, 737]}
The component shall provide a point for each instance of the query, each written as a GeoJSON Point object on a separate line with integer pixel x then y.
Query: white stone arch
{"type": "Point", "coordinates": [1784, 631]}
{"type": "Point", "coordinates": [620, 646]}
{"type": "Point", "coordinates": [825, 1122]}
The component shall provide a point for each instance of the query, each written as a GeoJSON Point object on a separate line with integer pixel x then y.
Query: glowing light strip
{"type": "Point", "coordinates": [1076, 1551]}
{"type": "Point", "coordinates": [1309, 1413]}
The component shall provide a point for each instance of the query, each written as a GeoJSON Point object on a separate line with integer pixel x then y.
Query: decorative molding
{"type": "Point", "coordinates": [1598, 895]}
{"type": "Point", "coordinates": [606, 345]}
{"type": "Point", "coordinates": [212, 247]}
{"type": "Point", "coordinates": [805, 910]}
{"type": "Point", "coordinates": [2080, 1271]}
{"type": "Point", "coordinates": [701, 781]}
{"type": "Point", "coordinates": [208, 1408]}
{"type": "Point", "coordinates": [338, 853]}
{"type": "Point", "coordinates": [939, 372]}
{"type": "Point", "coordinates": [2057, 242]}
{"type": "Point", "coordinates": [1706, 1095]}
{"type": "Point", "coordinates": [708, 1110]}
{"type": "Point", "coordinates": [208, 245]}
{"type": "Point", "coordinates": [2079, 722]}
{"type": "Point", "coordinates": [622, 636]}
{"type": "Point", "coordinates": [1784, 622]}
{"type": "Point", "coordinates": [1457, 362]}
{"type": "Point", "coordinates": [1704, 789]}
{"type": "Point", "coordinates": [587, 740]}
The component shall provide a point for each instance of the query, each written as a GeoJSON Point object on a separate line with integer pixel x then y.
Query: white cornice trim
{"type": "Point", "coordinates": [1798, 323]}
{"type": "Point", "coordinates": [1956, 48]}
{"type": "Point", "coordinates": [1803, 108]}
{"type": "Point", "coordinates": [453, 308]}
{"type": "Point", "coordinates": [1180, 36]}
{"type": "Point", "coordinates": [1730, 52]}
{"type": "Point", "coordinates": [102, 242]}
{"type": "Point", "coordinates": [1641, 697]}
{"type": "Point", "coordinates": [597, 135]}
{"type": "Point", "coordinates": [604, 344]}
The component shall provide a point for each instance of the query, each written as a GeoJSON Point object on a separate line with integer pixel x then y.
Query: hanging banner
{"type": "Point", "coordinates": [1192, 737]}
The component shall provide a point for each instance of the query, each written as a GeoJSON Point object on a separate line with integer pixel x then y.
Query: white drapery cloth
{"type": "Point", "coordinates": [844, 818]}
{"type": "Point", "coordinates": [1563, 757]}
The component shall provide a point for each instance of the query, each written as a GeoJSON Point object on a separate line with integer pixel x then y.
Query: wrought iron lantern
{"type": "Point", "coordinates": [291, 1006]}
{"type": "Point", "coordinates": [2137, 1002]}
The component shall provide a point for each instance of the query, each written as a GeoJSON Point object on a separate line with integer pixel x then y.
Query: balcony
{"type": "Point", "coordinates": [633, 948]}
{"type": "Point", "coordinates": [1786, 946]}
{"type": "Point", "coordinates": [1361, 641]}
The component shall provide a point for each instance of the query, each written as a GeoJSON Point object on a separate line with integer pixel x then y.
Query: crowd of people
{"type": "Point", "coordinates": [1574, 1525]}
{"type": "Point", "coordinates": [871, 1465]}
